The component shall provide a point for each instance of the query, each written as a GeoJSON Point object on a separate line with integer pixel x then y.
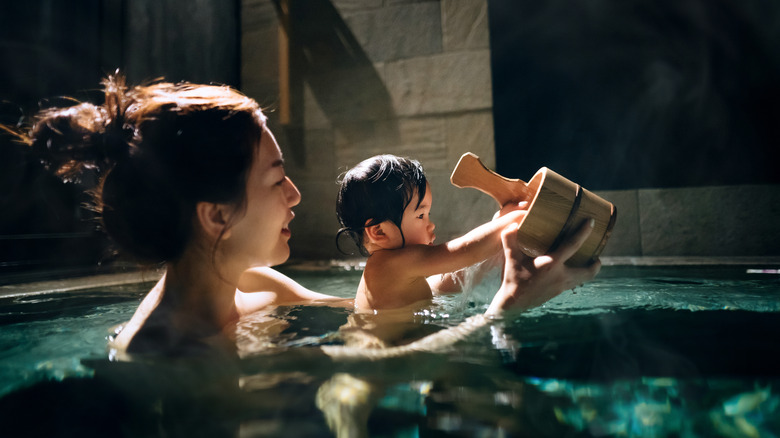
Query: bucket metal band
{"type": "Point", "coordinates": [575, 206]}
{"type": "Point", "coordinates": [603, 243]}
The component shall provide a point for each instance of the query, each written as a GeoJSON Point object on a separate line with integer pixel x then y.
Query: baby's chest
{"type": "Point", "coordinates": [391, 292]}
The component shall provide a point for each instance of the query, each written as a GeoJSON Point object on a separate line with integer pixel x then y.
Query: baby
{"type": "Point", "coordinates": [384, 204]}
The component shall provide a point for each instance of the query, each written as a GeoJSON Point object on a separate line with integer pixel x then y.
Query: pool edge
{"type": "Point", "coordinates": [102, 280]}
{"type": "Point", "coordinates": [77, 283]}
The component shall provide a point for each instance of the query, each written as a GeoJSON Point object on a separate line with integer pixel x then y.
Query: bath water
{"type": "Point", "coordinates": [639, 351]}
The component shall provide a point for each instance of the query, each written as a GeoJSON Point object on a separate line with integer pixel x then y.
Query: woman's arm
{"type": "Point", "coordinates": [264, 286]}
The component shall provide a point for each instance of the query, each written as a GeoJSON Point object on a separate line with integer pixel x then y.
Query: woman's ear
{"type": "Point", "coordinates": [213, 219]}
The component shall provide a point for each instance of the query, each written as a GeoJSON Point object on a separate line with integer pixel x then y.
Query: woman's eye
{"type": "Point", "coordinates": [280, 182]}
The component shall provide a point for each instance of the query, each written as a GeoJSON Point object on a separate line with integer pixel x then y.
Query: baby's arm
{"type": "Point", "coordinates": [473, 247]}
{"type": "Point", "coordinates": [452, 282]}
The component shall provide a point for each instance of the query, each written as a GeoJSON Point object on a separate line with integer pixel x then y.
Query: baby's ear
{"type": "Point", "coordinates": [375, 233]}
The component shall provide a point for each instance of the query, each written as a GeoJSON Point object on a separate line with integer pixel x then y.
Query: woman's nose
{"type": "Point", "coordinates": [293, 195]}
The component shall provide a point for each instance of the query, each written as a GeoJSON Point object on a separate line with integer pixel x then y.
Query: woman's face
{"type": "Point", "coordinates": [262, 232]}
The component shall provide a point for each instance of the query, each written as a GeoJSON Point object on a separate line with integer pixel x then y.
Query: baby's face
{"type": "Point", "coordinates": [416, 223]}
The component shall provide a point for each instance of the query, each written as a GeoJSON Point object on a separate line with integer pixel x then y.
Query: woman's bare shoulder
{"type": "Point", "coordinates": [128, 331]}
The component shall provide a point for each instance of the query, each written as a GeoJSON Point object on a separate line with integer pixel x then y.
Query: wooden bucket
{"type": "Point", "coordinates": [557, 208]}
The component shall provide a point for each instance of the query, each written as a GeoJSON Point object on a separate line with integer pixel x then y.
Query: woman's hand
{"type": "Point", "coordinates": [529, 282]}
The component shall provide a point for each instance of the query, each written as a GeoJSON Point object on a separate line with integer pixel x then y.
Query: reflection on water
{"type": "Point", "coordinates": [665, 406]}
{"type": "Point", "coordinates": [648, 352]}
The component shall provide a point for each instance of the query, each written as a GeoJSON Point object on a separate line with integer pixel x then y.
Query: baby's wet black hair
{"type": "Point", "coordinates": [378, 189]}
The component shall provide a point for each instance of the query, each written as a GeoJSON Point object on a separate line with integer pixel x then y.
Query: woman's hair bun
{"type": "Point", "coordinates": [115, 142]}
{"type": "Point", "coordinates": [64, 138]}
{"type": "Point", "coordinates": [118, 134]}
{"type": "Point", "coordinates": [84, 136]}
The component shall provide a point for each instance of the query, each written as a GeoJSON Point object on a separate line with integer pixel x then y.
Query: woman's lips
{"type": "Point", "coordinates": [286, 228]}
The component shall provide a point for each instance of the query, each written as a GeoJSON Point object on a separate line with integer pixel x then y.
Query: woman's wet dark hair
{"type": "Point", "coordinates": [378, 189]}
{"type": "Point", "coordinates": [160, 149]}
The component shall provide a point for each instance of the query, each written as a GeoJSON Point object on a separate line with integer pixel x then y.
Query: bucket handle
{"type": "Point", "coordinates": [470, 172]}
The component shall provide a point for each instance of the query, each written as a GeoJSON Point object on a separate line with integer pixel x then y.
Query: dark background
{"type": "Point", "coordinates": [612, 94]}
{"type": "Point", "coordinates": [54, 48]}
{"type": "Point", "coordinates": [639, 93]}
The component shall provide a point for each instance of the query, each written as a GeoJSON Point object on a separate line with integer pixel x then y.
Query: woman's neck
{"type": "Point", "coordinates": [197, 293]}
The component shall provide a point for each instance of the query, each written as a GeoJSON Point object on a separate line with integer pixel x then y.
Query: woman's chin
{"type": "Point", "coordinates": [281, 255]}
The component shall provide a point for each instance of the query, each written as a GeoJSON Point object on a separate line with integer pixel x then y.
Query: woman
{"type": "Point", "coordinates": [191, 177]}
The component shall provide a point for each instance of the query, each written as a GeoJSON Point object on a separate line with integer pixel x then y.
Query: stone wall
{"type": "Point", "coordinates": [718, 221]}
{"type": "Point", "coordinates": [413, 78]}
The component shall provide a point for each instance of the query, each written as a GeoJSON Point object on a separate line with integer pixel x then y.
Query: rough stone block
{"type": "Point", "coordinates": [344, 6]}
{"type": "Point", "coordinates": [265, 93]}
{"type": "Point", "coordinates": [465, 25]}
{"type": "Point", "coordinates": [710, 221]}
{"type": "Point", "coordinates": [314, 116]}
{"type": "Point", "coordinates": [258, 13]}
{"type": "Point", "coordinates": [357, 141]}
{"type": "Point", "coordinates": [398, 32]}
{"type": "Point", "coordinates": [424, 140]}
{"type": "Point", "coordinates": [366, 134]}
{"type": "Point", "coordinates": [309, 154]}
{"type": "Point", "coordinates": [421, 139]}
{"type": "Point", "coordinates": [407, 2]}
{"type": "Point", "coordinates": [315, 216]}
{"type": "Point", "coordinates": [260, 55]}
{"type": "Point", "coordinates": [440, 84]}
{"type": "Point", "coordinates": [625, 238]}
{"type": "Point", "coordinates": [351, 93]}
{"type": "Point", "coordinates": [471, 132]}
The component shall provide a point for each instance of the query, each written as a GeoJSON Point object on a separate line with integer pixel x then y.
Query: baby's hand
{"type": "Point", "coordinates": [512, 206]}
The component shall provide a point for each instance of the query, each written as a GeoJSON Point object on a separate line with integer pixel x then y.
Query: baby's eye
{"type": "Point", "coordinates": [421, 216]}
